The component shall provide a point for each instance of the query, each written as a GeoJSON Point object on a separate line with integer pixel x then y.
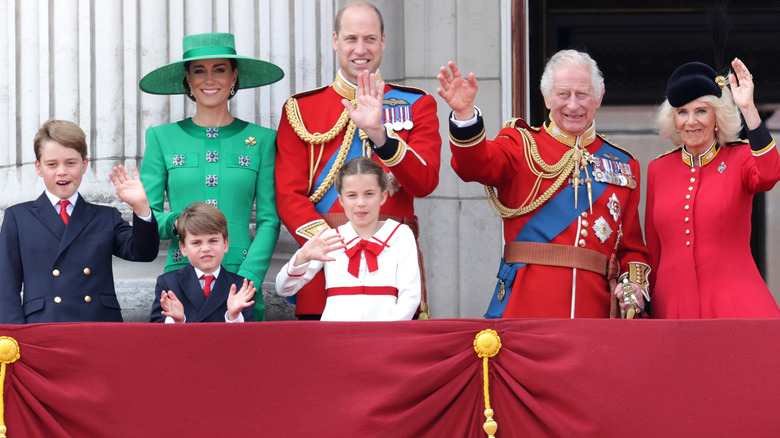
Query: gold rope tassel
{"type": "Point", "coordinates": [9, 353]}
{"type": "Point", "coordinates": [560, 171]}
{"type": "Point", "coordinates": [293, 113]}
{"type": "Point", "coordinates": [486, 344]}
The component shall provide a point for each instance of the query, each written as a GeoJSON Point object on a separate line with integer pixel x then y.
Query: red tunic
{"type": "Point", "coordinates": [698, 231]}
{"type": "Point", "coordinates": [415, 167]}
{"type": "Point", "coordinates": [550, 291]}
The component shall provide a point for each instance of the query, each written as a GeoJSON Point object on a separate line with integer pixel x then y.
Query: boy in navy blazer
{"type": "Point", "coordinates": [57, 250]}
{"type": "Point", "coordinates": [202, 291]}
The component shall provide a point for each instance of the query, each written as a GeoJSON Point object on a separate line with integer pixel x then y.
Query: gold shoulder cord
{"type": "Point", "coordinates": [559, 170]}
{"type": "Point", "coordinates": [294, 117]}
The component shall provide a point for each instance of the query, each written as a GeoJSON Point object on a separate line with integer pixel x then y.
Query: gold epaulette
{"type": "Point", "coordinates": [611, 143]}
{"type": "Point", "coordinates": [513, 123]}
{"type": "Point", "coordinates": [292, 111]}
{"type": "Point", "coordinates": [408, 88]}
{"type": "Point", "coordinates": [737, 142]}
{"type": "Point", "coordinates": [669, 152]}
{"type": "Point", "coordinates": [309, 92]}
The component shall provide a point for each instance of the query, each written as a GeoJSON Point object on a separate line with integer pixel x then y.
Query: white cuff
{"type": "Point", "coordinates": [466, 123]}
{"type": "Point", "coordinates": [239, 318]}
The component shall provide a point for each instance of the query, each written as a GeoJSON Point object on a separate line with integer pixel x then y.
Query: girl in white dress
{"type": "Point", "coordinates": [371, 268]}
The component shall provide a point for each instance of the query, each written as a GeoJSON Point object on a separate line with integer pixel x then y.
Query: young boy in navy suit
{"type": "Point", "coordinates": [202, 291]}
{"type": "Point", "coordinates": [57, 250]}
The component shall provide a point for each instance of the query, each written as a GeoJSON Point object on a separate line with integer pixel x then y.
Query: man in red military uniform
{"type": "Point", "coordinates": [568, 198]}
{"type": "Point", "coordinates": [322, 129]}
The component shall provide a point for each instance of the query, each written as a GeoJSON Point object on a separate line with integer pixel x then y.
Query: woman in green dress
{"type": "Point", "coordinates": [214, 157]}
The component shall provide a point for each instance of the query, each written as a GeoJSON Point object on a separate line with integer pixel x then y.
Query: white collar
{"type": "Point", "coordinates": [351, 237]}
{"type": "Point", "coordinates": [55, 200]}
{"type": "Point", "coordinates": [200, 273]}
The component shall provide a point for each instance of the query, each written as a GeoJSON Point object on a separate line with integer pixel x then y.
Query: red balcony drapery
{"type": "Point", "coordinates": [601, 378]}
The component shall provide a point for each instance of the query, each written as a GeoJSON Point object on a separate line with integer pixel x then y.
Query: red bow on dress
{"type": "Point", "coordinates": [371, 249]}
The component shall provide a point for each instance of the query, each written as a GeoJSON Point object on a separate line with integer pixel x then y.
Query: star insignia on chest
{"type": "Point", "coordinates": [602, 229]}
{"type": "Point", "coordinates": [614, 207]}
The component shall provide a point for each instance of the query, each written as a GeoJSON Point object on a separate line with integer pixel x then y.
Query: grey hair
{"type": "Point", "coordinates": [726, 115]}
{"type": "Point", "coordinates": [568, 58]}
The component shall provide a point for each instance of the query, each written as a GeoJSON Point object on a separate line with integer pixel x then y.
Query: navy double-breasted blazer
{"type": "Point", "coordinates": [65, 271]}
{"type": "Point", "coordinates": [197, 308]}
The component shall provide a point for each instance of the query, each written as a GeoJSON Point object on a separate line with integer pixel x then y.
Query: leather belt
{"type": "Point", "coordinates": [550, 254]}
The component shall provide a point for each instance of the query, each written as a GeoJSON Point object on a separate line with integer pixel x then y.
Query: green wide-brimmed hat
{"type": "Point", "coordinates": [251, 72]}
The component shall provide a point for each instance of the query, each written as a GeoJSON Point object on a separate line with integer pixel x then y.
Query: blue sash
{"type": "Point", "coordinates": [549, 221]}
{"type": "Point", "coordinates": [393, 98]}
{"type": "Point", "coordinates": [329, 198]}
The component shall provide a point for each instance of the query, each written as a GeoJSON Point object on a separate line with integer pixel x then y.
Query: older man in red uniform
{"type": "Point", "coordinates": [568, 198]}
{"type": "Point", "coordinates": [322, 129]}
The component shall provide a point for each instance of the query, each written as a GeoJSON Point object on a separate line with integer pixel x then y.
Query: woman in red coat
{"type": "Point", "coordinates": [699, 198]}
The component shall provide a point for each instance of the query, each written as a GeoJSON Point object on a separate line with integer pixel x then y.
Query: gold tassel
{"type": "Point", "coordinates": [487, 344]}
{"type": "Point", "coordinates": [9, 353]}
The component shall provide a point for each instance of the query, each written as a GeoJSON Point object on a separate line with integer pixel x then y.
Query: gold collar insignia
{"type": "Point", "coordinates": [347, 89]}
{"type": "Point", "coordinates": [703, 159]}
{"type": "Point", "coordinates": [570, 140]}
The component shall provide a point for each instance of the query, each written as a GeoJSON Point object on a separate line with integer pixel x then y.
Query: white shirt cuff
{"type": "Point", "coordinates": [466, 123]}
{"type": "Point", "coordinates": [240, 318]}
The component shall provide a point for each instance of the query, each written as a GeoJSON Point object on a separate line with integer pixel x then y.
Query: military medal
{"type": "Point", "coordinates": [611, 171]}
{"type": "Point", "coordinates": [398, 124]}
{"type": "Point", "coordinates": [406, 112]}
{"type": "Point", "coordinates": [388, 117]}
{"type": "Point", "coordinates": [399, 118]}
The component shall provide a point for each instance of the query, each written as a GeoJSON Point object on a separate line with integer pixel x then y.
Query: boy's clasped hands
{"type": "Point", "coordinates": [236, 302]}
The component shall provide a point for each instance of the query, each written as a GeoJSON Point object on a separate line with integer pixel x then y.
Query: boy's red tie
{"type": "Point", "coordinates": [64, 211]}
{"type": "Point", "coordinates": [207, 286]}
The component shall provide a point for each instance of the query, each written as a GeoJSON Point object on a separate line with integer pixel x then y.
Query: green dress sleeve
{"type": "Point", "coordinates": [258, 258]}
{"type": "Point", "coordinates": [154, 176]}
